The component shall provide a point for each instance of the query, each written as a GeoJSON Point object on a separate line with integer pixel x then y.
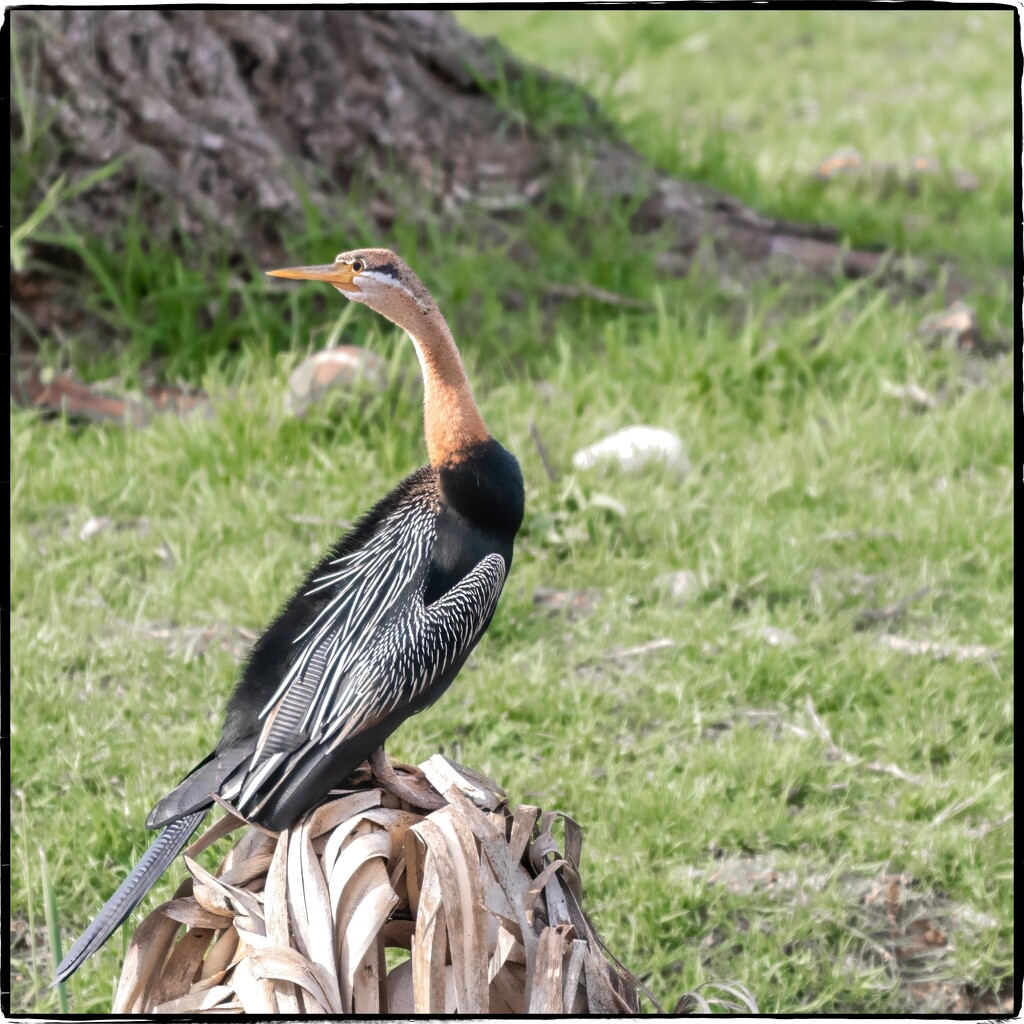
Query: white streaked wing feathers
{"type": "Point", "coordinates": [345, 624]}
{"type": "Point", "coordinates": [358, 660]}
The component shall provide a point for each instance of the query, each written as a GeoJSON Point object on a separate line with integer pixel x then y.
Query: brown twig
{"type": "Point", "coordinates": [624, 653]}
{"type": "Point", "coordinates": [589, 291]}
{"type": "Point", "coordinates": [961, 805]}
{"type": "Point", "coordinates": [890, 612]}
{"type": "Point", "coordinates": [958, 652]}
{"type": "Point", "coordinates": [758, 716]}
{"type": "Point", "coordinates": [859, 535]}
{"type": "Point", "coordinates": [640, 649]}
{"type": "Point", "coordinates": [550, 470]}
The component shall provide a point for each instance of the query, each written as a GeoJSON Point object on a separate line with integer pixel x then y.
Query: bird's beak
{"type": "Point", "coordinates": [339, 274]}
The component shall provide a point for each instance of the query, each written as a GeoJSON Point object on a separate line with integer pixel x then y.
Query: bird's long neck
{"type": "Point", "coordinates": [452, 422]}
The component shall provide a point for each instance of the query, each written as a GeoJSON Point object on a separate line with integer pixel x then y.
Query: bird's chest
{"type": "Point", "coordinates": [459, 546]}
{"type": "Point", "coordinates": [480, 509]}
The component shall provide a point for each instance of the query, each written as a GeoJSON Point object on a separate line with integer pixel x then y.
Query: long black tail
{"type": "Point", "coordinates": [155, 861]}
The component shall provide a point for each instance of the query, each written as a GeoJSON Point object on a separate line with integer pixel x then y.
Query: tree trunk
{"type": "Point", "coordinates": [235, 117]}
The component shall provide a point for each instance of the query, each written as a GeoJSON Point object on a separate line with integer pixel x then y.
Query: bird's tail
{"type": "Point", "coordinates": [155, 861]}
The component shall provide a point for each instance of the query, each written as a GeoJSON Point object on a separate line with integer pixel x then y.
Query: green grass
{"type": "Point", "coordinates": [813, 496]}
{"type": "Point", "coordinates": [752, 105]}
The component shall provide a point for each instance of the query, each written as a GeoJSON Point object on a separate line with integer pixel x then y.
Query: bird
{"type": "Point", "coordinates": [377, 630]}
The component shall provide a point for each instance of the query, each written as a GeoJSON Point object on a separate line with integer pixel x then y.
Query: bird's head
{"type": "Point", "coordinates": [376, 277]}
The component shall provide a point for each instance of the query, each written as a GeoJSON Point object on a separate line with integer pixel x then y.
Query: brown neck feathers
{"type": "Point", "coordinates": [451, 419]}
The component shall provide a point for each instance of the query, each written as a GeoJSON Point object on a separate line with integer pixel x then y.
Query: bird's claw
{"type": "Point", "coordinates": [422, 796]}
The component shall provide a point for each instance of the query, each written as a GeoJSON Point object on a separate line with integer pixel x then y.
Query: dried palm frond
{"type": "Point", "coordinates": [480, 900]}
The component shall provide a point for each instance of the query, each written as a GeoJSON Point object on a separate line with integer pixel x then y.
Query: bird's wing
{"type": "Point", "coordinates": [409, 655]}
{"type": "Point", "coordinates": [210, 776]}
{"type": "Point", "coordinates": [357, 591]}
{"type": "Point", "coordinates": [365, 588]}
{"type": "Point", "coordinates": [373, 651]}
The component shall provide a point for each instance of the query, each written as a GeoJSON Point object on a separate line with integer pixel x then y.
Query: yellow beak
{"type": "Point", "coordinates": [340, 275]}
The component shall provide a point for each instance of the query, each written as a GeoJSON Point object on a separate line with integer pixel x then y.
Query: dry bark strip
{"type": "Point", "coordinates": [64, 395]}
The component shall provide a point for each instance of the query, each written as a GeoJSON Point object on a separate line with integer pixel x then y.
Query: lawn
{"type": "Point", "coordinates": [797, 773]}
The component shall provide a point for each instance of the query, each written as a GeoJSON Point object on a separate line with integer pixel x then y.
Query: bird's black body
{"type": "Point", "coordinates": [376, 633]}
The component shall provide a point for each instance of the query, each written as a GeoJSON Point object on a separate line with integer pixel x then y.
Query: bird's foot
{"type": "Point", "coordinates": [422, 795]}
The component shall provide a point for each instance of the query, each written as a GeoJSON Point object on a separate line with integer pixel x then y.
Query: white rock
{"type": "Point", "coordinates": [775, 637]}
{"type": "Point", "coordinates": [633, 447]}
{"type": "Point", "coordinates": [94, 525]}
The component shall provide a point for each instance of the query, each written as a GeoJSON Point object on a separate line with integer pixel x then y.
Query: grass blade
{"type": "Point", "coordinates": [53, 927]}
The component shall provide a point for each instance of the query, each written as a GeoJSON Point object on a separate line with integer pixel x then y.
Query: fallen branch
{"type": "Point", "coordinates": [590, 291]}
{"type": "Point", "coordinates": [915, 395]}
{"type": "Point", "coordinates": [891, 612]}
{"type": "Point", "coordinates": [640, 649]}
{"type": "Point", "coordinates": [958, 652]}
{"type": "Point", "coordinates": [64, 395]}
{"type": "Point", "coordinates": [961, 805]}
{"type": "Point", "coordinates": [838, 754]}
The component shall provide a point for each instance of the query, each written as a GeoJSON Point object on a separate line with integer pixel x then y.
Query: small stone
{"type": "Point", "coordinates": [165, 554]}
{"type": "Point", "coordinates": [964, 180]}
{"type": "Point", "coordinates": [94, 525]}
{"type": "Point", "coordinates": [915, 396]}
{"type": "Point", "coordinates": [924, 165]}
{"type": "Point", "coordinates": [775, 637]}
{"type": "Point", "coordinates": [957, 326]}
{"type": "Point", "coordinates": [574, 603]}
{"type": "Point", "coordinates": [340, 368]}
{"type": "Point", "coordinates": [683, 586]}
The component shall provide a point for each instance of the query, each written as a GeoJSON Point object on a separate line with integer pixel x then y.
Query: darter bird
{"type": "Point", "coordinates": [377, 631]}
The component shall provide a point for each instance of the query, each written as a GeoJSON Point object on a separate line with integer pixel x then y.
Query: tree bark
{"type": "Point", "coordinates": [236, 117]}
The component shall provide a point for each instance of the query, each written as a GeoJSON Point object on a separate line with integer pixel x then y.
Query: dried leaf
{"type": "Point", "coordinates": [546, 993]}
{"type": "Point", "coordinates": [269, 960]}
{"type": "Point", "coordinates": [220, 956]}
{"type": "Point", "coordinates": [309, 905]}
{"type": "Point", "coordinates": [275, 901]}
{"type": "Point", "coordinates": [188, 911]}
{"type": "Point", "coordinates": [146, 955]}
{"type": "Point", "coordinates": [466, 860]}
{"type": "Point", "coordinates": [367, 901]}
{"type": "Point", "coordinates": [429, 945]}
{"type": "Point", "coordinates": [197, 1002]}
{"type": "Point", "coordinates": [255, 994]}
{"type": "Point", "coordinates": [175, 978]}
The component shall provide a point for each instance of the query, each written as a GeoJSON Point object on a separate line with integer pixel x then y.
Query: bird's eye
{"type": "Point", "coordinates": [357, 266]}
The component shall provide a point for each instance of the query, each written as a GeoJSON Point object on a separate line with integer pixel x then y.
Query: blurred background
{"type": "Point", "coordinates": [766, 663]}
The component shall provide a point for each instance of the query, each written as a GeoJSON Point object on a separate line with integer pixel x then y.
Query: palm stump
{"type": "Point", "coordinates": [441, 900]}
